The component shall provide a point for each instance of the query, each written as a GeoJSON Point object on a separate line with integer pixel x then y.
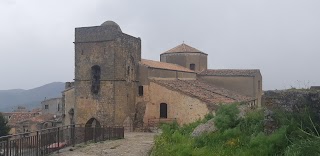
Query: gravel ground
{"type": "Point", "coordinates": [134, 144]}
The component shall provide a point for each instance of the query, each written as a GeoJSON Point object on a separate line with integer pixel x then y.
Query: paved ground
{"type": "Point", "coordinates": [134, 144]}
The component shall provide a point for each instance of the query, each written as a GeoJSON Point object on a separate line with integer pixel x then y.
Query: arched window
{"type": "Point", "coordinates": [163, 110]}
{"type": "Point", "coordinates": [192, 66]}
{"type": "Point", "coordinates": [95, 79]}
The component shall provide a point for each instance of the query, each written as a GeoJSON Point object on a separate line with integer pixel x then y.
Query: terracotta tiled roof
{"type": "Point", "coordinates": [230, 72]}
{"type": "Point", "coordinates": [18, 117]}
{"type": "Point", "coordinates": [42, 118]}
{"type": "Point", "coordinates": [164, 65]}
{"type": "Point", "coordinates": [212, 95]}
{"type": "Point", "coordinates": [183, 48]}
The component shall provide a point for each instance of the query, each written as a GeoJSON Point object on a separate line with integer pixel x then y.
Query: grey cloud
{"type": "Point", "coordinates": [279, 37]}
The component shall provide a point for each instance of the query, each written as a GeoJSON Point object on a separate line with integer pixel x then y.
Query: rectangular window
{"type": "Point", "coordinates": [192, 66]}
{"type": "Point", "coordinates": [140, 90]}
{"type": "Point", "coordinates": [259, 85]}
{"type": "Point", "coordinates": [46, 106]}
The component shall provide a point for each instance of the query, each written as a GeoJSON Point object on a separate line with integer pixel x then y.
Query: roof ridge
{"type": "Point", "coordinates": [183, 48]}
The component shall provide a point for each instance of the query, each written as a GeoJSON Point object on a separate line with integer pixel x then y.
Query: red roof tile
{"type": "Point", "coordinates": [164, 65]}
{"type": "Point", "coordinates": [42, 118]}
{"type": "Point", "coordinates": [212, 95]}
{"type": "Point", "coordinates": [16, 117]}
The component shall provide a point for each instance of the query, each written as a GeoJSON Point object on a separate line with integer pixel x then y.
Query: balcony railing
{"type": "Point", "coordinates": [47, 141]}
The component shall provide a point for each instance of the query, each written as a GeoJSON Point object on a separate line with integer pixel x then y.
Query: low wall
{"type": "Point", "coordinates": [293, 100]}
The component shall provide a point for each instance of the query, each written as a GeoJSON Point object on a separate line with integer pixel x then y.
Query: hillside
{"type": "Point", "coordinates": [29, 98]}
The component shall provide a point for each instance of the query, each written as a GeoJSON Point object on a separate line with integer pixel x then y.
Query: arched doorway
{"type": "Point", "coordinates": [93, 123]}
{"type": "Point", "coordinates": [92, 129]}
{"type": "Point", "coordinates": [163, 110]}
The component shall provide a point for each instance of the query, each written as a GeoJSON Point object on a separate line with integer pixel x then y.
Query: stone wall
{"type": "Point", "coordinates": [183, 108]}
{"type": "Point", "coordinates": [244, 85]}
{"type": "Point", "coordinates": [147, 73]}
{"type": "Point", "coordinates": [185, 59]}
{"type": "Point", "coordinates": [117, 56]}
{"type": "Point", "coordinates": [293, 100]}
{"type": "Point", "coordinates": [69, 102]}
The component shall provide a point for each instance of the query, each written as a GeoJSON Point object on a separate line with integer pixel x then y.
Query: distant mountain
{"type": "Point", "coordinates": [31, 98]}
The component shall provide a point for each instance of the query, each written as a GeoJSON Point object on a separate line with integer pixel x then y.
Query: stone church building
{"type": "Point", "coordinates": [113, 85]}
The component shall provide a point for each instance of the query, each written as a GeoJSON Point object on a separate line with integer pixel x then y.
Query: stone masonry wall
{"type": "Point", "coordinates": [182, 107]}
{"type": "Point", "coordinates": [185, 59]}
{"type": "Point", "coordinates": [117, 54]}
{"type": "Point", "coordinates": [293, 100]}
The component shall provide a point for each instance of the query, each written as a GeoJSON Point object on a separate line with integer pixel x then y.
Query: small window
{"type": "Point", "coordinates": [140, 90]}
{"type": "Point", "coordinates": [58, 107]}
{"type": "Point", "coordinates": [192, 66]}
{"type": "Point", "coordinates": [46, 106]}
{"type": "Point", "coordinates": [259, 85]}
{"type": "Point", "coordinates": [163, 110]}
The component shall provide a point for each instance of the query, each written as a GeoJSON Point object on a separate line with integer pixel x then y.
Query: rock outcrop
{"type": "Point", "coordinates": [204, 128]}
{"type": "Point", "coordinates": [293, 100]}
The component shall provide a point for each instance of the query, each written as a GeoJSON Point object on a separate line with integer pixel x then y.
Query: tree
{"type": "Point", "coordinates": [4, 128]}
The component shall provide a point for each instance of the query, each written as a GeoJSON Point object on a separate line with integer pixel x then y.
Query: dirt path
{"type": "Point", "coordinates": [134, 144]}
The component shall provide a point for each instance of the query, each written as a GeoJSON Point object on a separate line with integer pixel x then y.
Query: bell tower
{"type": "Point", "coordinates": [106, 63]}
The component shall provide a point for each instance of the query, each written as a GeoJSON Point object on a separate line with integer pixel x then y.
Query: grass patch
{"type": "Point", "coordinates": [297, 134]}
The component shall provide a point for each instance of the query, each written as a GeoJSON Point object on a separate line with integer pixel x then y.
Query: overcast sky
{"type": "Point", "coordinates": [279, 37]}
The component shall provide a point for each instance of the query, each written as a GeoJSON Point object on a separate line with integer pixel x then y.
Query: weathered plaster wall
{"type": "Point", "coordinates": [145, 73]}
{"type": "Point", "coordinates": [69, 102]}
{"type": "Point", "coordinates": [54, 106]}
{"type": "Point", "coordinates": [245, 85]}
{"type": "Point", "coordinates": [185, 59]}
{"type": "Point", "coordinates": [258, 88]}
{"type": "Point", "coordinates": [242, 85]}
{"type": "Point", "coordinates": [184, 108]}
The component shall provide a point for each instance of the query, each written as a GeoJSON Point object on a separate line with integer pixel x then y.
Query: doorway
{"type": "Point", "coordinates": [163, 110]}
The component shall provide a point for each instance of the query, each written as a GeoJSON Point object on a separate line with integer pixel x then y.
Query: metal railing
{"type": "Point", "coordinates": [47, 141]}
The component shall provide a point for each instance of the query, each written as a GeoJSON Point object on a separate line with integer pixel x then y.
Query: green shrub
{"type": "Point", "coordinates": [304, 147]}
{"type": "Point", "coordinates": [252, 123]}
{"type": "Point", "coordinates": [208, 117]}
{"type": "Point", "coordinates": [187, 129]}
{"type": "Point", "coordinates": [227, 116]}
{"type": "Point", "coordinates": [298, 134]}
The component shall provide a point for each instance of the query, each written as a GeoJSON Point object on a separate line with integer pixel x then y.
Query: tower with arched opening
{"type": "Point", "coordinates": [106, 63]}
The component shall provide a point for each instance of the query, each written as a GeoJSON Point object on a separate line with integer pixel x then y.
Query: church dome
{"type": "Point", "coordinates": [111, 24]}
